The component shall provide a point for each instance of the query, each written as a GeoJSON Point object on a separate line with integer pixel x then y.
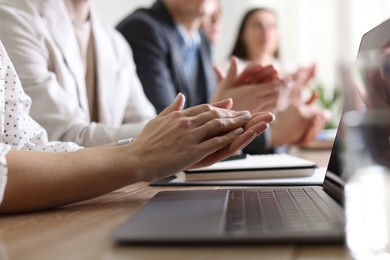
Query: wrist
{"type": "Point", "coordinates": [134, 158]}
{"type": "Point", "coordinates": [127, 160]}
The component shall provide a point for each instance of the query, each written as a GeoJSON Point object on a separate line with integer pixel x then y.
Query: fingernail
{"type": "Point", "coordinates": [239, 131]}
{"type": "Point", "coordinates": [244, 116]}
{"type": "Point", "coordinates": [244, 112]}
{"type": "Point", "coordinates": [254, 134]}
{"type": "Point", "coordinates": [266, 125]}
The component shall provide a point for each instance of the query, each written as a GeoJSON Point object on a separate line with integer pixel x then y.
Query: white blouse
{"type": "Point", "coordinates": [17, 129]}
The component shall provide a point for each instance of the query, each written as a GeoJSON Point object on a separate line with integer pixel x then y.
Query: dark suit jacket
{"type": "Point", "coordinates": [153, 36]}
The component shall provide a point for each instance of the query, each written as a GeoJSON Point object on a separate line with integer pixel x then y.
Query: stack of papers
{"type": "Point", "coordinates": [255, 167]}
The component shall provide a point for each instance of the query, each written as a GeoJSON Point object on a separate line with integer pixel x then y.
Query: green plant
{"type": "Point", "coordinates": [327, 99]}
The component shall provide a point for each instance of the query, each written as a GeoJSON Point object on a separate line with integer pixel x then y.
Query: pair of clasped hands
{"type": "Point", "coordinates": [199, 136]}
{"type": "Point", "coordinates": [260, 88]}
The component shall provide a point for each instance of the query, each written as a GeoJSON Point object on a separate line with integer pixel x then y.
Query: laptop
{"type": "Point", "coordinates": [270, 214]}
{"type": "Point", "coordinates": [241, 216]}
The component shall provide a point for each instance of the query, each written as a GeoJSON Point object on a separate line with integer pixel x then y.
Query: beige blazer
{"type": "Point", "coordinates": [42, 44]}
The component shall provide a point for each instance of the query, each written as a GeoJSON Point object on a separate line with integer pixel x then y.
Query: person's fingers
{"type": "Point", "coordinates": [232, 72]}
{"type": "Point", "coordinates": [268, 87]}
{"type": "Point", "coordinates": [237, 144]}
{"type": "Point", "coordinates": [262, 113]}
{"type": "Point", "coordinates": [309, 134]}
{"type": "Point", "coordinates": [258, 91]}
{"type": "Point", "coordinates": [266, 92]}
{"type": "Point", "coordinates": [256, 124]}
{"type": "Point", "coordinates": [304, 76]}
{"type": "Point", "coordinates": [226, 104]}
{"type": "Point", "coordinates": [218, 142]}
{"type": "Point", "coordinates": [313, 70]}
{"type": "Point", "coordinates": [220, 74]}
{"type": "Point", "coordinates": [246, 76]}
{"type": "Point", "coordinates": [262, 100]}
{"type": "Point", "coordinates": [268, 78]}
{"type": "Point", "coordinates": [218, 148]}
{"type": "Point", "coordinates": [265, 75]}
{"type": "Point", "coordinates": [248, 136]}
{"type": "Point", "coordinates": [314, 96]}
{"type": "Point", "coordinates": [316, 125]}
{"type": "Point", "coordinates": [205, 117]}
{"type": "Point", "coordinates": [271, 106]}
{"type": "Point", "coordinates": [220, 126]}
{"type": "Point", "coordinates": [243, 140]}
{"type": "Point", "coordinates": [257, 74]}
{"type": "Point", "coordinates": [268, 100]}
{"type": "Point", "coordinates": [258, 118]}
{"type": "Point", "coordinates": [199, 109]}
{"type": "Point", "coordinates": [177, 105]}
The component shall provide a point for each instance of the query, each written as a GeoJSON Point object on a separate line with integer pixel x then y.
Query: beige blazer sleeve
{"type": "Point", "coordinates": [40, 40]}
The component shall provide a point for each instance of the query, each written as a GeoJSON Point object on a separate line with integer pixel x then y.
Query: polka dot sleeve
{"type": "Point", "coordinates": [17, 128]}
{"type": "Point", "coordinates": [4, 149]}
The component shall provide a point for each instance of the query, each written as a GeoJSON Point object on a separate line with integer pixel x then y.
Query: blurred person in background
{"type": "Point", "coordinates": [258, 42]}
{"type": "Point", "coordinates": [79, 73]}
{"type": "Point", "coordinates": [211, 24]}
{"type": "Point", "coordinates": [173, 55]}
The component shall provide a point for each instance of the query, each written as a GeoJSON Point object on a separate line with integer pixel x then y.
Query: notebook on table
{"type": "Point", "coordinates": [292, 214]}
{"type": "Point", "coordinates": [254, 167]}
{"type": "Point", "coordinates": [253, 215]}
{"type": "Point", "coordinates": [252, 170]}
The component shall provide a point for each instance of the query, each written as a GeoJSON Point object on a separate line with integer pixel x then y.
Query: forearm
{"type": "Point", "coordinates": [46, 180]}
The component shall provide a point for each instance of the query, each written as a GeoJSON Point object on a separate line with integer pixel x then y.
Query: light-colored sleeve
{"type": "Point", "coordinates": [4, 149]}
{"type": "Point", "coordinates": [17, 128]}
{"type": "Point", "coordinates": [54, 106]}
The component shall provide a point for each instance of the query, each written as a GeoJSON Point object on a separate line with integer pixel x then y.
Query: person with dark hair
{"type": "Point", "coordinates": [257, 42]}
{"type": "Point", "coordinates": [258, 38]}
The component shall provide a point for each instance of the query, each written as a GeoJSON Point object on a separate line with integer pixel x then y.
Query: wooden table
{"type": "Point", "coordinates": [83, 231]}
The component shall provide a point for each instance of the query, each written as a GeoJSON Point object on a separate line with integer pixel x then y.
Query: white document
{"type": "Point", "coordinates": [316, 178]}
{"type": "Point", "coordinates": [254, 167]}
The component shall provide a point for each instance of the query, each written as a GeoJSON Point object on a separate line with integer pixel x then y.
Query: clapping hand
{"type": "Point", "coordinates": [199, 136]}
{"type": "Point", "coordinates": [255, 89]}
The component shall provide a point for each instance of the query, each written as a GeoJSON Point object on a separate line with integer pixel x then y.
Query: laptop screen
{"type": "Point", "coordinates": [377, 39]}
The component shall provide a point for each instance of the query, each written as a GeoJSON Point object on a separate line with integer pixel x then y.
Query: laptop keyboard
{"type": "Point", "coordinates": [276, 209]}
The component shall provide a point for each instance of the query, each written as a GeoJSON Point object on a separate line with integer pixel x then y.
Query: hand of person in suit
{"type": "Point", "coordinates": [256, 74]}
{"type": "Point", "coordinates": [316, 117]}
{"type": "Point", "coordinates": [196, 137]}
{"type": "Point", "coordinates": [255, 89]}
